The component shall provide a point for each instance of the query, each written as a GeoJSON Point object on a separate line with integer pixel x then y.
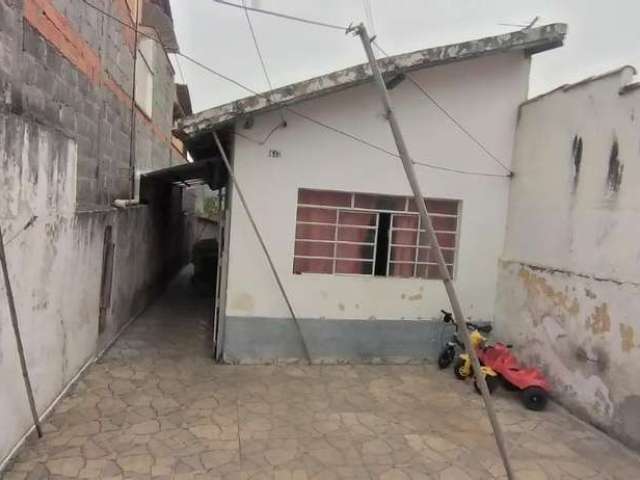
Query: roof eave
{"type": "Point", "coordinates": [530, 41]}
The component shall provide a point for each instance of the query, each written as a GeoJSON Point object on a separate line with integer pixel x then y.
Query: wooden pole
{"type": "Point", "coordinates": [435, 246]}
{"type": "Point", "coordinates": [16, 331]}
{"type": "Point", "coordinates": [263, 245]}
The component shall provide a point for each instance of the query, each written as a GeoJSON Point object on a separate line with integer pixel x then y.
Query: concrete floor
{"type": "Point", "coordinates": [157, 407]}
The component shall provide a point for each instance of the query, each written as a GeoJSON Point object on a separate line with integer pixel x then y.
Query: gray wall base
{"type": "Point", "coordinates": [255, 340]}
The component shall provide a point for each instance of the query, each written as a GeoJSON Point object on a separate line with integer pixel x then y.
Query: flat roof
{"type": "Point", "coordinates": [530, 41]}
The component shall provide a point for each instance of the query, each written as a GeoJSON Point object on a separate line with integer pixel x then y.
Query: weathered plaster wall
{"type": "Point", "coordinates": [64, 156]}
{"type": "Point", "coordinates": [482, 93]}
{"type": "Point", "coordinates": [56, 267]}
{"type": "Point", "coordinates": [569, 285]}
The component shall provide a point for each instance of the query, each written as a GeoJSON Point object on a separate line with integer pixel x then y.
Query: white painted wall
{"type": "Point", "coordinates": [483, 94]}
{"type": "Point", "coordinates": [40, 173]}
{"type": "Point", "coordinates": [570, 280]}
{"type": "Point", "coordinates": [55, 269]}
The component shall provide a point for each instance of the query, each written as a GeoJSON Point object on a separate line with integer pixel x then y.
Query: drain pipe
{"type": "Point", "coordinates": [126, 202]}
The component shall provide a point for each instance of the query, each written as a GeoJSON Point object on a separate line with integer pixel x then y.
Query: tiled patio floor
{"type": "Point", "coordinates": [157, 407]}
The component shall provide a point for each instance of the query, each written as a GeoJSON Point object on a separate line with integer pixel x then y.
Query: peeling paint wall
{"type": "Point", "coordinates": [312, 157]}
{"type": "Point", "coordinates": [56, 267]}
{"type": "Point", "coordinates": [569, 282]}
{"type": "Point", "coordinates": [63, 147]}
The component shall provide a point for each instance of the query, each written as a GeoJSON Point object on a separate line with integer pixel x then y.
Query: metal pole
{"type": "Point", "coordinates": [263, 245]}
{"type": "Point", "coordinates": [435, 246]}
{"type": "Point", "coordinates": [132, 138]}
{"type": "Point", "coordinates": [216, 306]}
{"type": "Point", "coordinates": [16, 331]}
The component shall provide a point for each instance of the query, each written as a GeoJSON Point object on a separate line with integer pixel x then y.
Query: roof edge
{"type": "Point", "coordinates": [625, 86]}
{"type": "Point", "coordinates": [531, 41]}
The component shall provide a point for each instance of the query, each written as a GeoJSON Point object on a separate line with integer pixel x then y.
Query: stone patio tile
{"type": "Point", "coordinates": [157, 407]}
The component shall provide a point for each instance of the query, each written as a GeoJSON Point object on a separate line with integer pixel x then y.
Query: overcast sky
{"type": "Point", "coordinates": [603, 34]}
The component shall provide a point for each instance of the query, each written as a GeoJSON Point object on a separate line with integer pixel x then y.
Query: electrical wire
{"type": "Point", "coordinates": [184, 82]}
{"type": "Point", "coordinates": [296, 112]}
{"type": "Point", "coordinates": [440, 107]}
{"type": "Point", "coordinates": [259, 142]}
{"type": "Point", "coordinates": [117, 20]}
{"type": "Point", "coordinates": [255, 43]}
{"type": "Point", "coordinates": [339, 131]}
{"type": "Point", "coordinates": [282, 15]}
{"type": "Point", "coordinates": [260, 57]}
{"type": "Point", "coordinates": [368, 11]}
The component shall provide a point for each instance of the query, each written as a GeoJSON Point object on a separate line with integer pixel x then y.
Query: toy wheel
{"type": "Point", "coordinates": [445, 358]}
{"type": "Point", "coordinates": [457, 370]}
{"type": "Point", "coordinates": [534, 398]}
{"type": "Point", "coordinates": [492, 384]}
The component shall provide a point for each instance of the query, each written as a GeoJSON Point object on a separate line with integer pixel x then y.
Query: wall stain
{"type": "Point", "coordinates": [576, 155]}
{"type": "Point", "coordinates": [417, 296]}
{"type": "Point", "coordinates": [614, 173]}
{"type": "Point", "coordinates": [627, 333]}
{"type": "Point", "coordinates": [243, 302]}
{"type": "Point", "coordinates": [537, 287]}
{"type": "Point", "coordinates": [341, 307]}
{"type": "Point", "coordinates": [599, 321]}
{"type": "Point", "coordinates": [589, 294]}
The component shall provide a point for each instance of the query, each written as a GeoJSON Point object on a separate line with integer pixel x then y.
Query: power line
{"type": "Point", "coordinates": [337, 130]}
{"type": "Point", "coordinates": [121, 22]}
{"type": "Point", "coordinates": [296, 112]}
{"type": "Point", "coordinates": [282, 15]}
{"type": "Point", "coordinates": [259, 52]}
{"type": "Point", "coordinates": [445, 111]}
{"type": "Point", "coordinates": [259, 142]}
{"type": "Point", "coordinates": [368, 11]}
{"type": "Point", "coordinates": [184, 82]}
{"type": "Point", "coordinates": [255, 43]}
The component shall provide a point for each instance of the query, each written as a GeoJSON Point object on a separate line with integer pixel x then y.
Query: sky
{"type": "Point", "coordinates": [603, 35]}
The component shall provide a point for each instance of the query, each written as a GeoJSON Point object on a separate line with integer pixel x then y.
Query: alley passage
{"type": "Point", "coordinates": [156, 406]}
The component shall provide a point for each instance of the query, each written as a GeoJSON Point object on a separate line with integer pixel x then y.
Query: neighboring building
{"type": "Point", "coordinates": [83, 269]}
{"type": "Point", "coordinates": [569, 283]}
{"type": "Point", "coordinates": [336, 214]}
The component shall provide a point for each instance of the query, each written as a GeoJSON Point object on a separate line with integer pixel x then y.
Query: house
{"type": "Point", "coordinates": [569, 276]}
{"type": "Point", "coordinates": [333, 205]}
{"type": "Point", "coordinates": [74, 138]}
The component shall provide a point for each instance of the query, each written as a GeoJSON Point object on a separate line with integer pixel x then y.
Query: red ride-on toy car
{"type": "Point", "coordinates": [531, 381]}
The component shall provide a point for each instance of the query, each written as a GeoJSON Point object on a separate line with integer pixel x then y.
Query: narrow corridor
{"type": "Point", "coordinates": [156, 406]}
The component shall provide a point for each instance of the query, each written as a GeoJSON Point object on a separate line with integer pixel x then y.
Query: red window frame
{"type": "Point", "coordinates": [337, 233]}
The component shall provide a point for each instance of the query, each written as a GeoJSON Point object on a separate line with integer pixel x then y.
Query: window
{"type": "Point", "coordinates": [144, 75]}
{"type": "Point", "coordinates": [364, 234]}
